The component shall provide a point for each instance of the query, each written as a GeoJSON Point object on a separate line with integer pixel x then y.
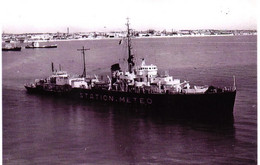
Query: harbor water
{"type": "Point", "coordinates": [48, 130]}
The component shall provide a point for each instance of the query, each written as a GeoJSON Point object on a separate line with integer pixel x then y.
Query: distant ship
{"type": "Point", "coordinates": [37, 45]}
{"type": "Point", "coordinates": [9, 47]}
{"type": "Point", "coordinates": [139, 86]}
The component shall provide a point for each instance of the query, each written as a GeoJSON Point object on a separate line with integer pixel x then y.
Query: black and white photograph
{"type": "Point", "coordinates": [129, 82]}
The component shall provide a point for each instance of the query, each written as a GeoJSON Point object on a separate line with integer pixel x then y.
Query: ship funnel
{"type": "Point", "coordinates": [115, 67]}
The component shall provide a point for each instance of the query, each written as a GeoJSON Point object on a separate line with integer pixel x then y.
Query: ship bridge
{"type": "Point", "coordinates": [59, 78]}
{"type": "Point", "coordinates": [148, 71]}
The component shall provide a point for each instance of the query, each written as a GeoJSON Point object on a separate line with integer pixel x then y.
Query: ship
{"type": "Point", "coordinates": [139, 86]}
{"type": "Point", "coordinates": [37, 45]}
{"type": "Point", "coordinates": [11, 48]}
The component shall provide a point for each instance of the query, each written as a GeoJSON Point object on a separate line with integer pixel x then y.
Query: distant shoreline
{"type": "Point", "coordinates": [119, 38]}
{"type": "Point", "coordinates": [150, 37]}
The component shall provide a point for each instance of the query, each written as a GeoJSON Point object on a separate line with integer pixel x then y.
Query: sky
{"type": "Point", "coordinates": [36, 16]}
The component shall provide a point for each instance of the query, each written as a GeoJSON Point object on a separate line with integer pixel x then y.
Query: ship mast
{"type": "Point", "coordinates": [130, 59]}
{"type": "Point", "coordinates": [83, 53]}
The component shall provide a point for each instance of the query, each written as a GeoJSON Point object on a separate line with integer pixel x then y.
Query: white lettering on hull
{"type": "Point", "coordinates": [120, 99]}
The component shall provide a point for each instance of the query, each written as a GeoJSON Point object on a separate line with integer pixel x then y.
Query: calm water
{"type": "Point", "coordinates": [47, 130]}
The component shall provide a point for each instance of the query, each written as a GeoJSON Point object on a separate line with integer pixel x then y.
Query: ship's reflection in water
{"type": "Point", "coordinates": [104, 133]}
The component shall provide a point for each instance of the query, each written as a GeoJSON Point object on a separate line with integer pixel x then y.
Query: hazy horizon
{"type": "Point", "coordinates": [51, 16]}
